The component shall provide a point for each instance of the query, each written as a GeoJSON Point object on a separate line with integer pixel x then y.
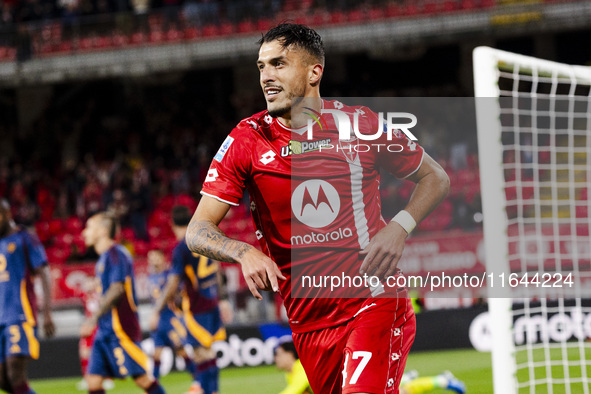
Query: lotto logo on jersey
{"type": "Point", "coordinates": [268, 157]}
{"type": "Point", "coordinates": [212, 175]}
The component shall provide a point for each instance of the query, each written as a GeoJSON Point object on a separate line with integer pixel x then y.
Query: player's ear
{"type": "Point", "coordinates": [315, 74]}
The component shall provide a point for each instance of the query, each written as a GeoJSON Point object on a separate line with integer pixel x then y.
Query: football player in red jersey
{"type": "Point", "coordinates": [325, 217]}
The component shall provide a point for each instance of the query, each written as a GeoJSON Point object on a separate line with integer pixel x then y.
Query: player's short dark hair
{"type": "Point", "coordinates": [109, 220]}
{"type": "Point", "coordinates": [181, 215]}
{"type": "Point", "coordinates": [288, 346]}
{"type": "Point", "coordinates": [300, 36]}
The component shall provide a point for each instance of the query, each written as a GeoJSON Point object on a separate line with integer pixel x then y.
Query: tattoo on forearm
{"type": "Point", "coordinates": [207, 239]}
{"type": "Point", "coordinates": [110, 298]}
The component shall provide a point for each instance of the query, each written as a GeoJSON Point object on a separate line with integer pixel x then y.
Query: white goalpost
{"type": "Point", "coordinates": [534, 143]}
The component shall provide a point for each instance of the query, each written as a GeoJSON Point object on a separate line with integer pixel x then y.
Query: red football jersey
{"type": "Point", "coordinates": [315, 203]}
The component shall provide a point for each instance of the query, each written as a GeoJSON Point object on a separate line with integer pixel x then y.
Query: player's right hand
{"type": "Point", "coordinates": [154, 320]}
{"type": "Point", "coordinates": [260, 272]}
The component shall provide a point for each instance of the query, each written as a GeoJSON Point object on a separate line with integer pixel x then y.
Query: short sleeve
{"type": "Point", "coordinates": [229, 169]}
{"type": "Point", "coordinates": [35, 250]}
{"type": "Point", "coordinates": [116, 264]}
{"type": "Point", "coordinates": [399, 155]}
{"type": "Point", "coordinates": [178, 261]}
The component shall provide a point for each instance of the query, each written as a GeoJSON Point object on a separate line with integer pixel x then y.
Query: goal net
{"type": "Point", "coordinates": [534, 138]}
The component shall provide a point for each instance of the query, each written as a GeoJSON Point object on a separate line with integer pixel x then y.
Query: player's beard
{"type": "Point", "coordinates": [293, 99]}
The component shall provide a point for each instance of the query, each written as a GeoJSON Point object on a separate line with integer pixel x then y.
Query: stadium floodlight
{"type": "Point", "coordinates": [534, 140]}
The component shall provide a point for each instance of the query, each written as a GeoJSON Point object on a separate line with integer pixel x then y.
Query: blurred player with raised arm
{"type": "Point", "coordinates": [21, 257]}
{"type": "Point", "coordinates": [116, 349]}
{"type": "Point", "coordinates": [327, 215]}
{"type": "Point", "coordinates": [201, 305]}
{"type": "Point", "coordinates": [171, 331]}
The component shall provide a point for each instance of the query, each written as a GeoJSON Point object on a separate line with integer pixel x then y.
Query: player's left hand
{"type": "Point", "coordinates": [48, 325]}
{"type": "Point", "coordinates": [384, 251]}
{"type": "Point", "coordinates": [87, 328]}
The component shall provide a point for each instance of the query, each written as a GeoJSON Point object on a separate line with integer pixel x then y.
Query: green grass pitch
{"type": "Point", "coordinates": [472, 367]}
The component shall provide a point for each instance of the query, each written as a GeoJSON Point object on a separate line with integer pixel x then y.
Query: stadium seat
{"type": "Point", "coordinates": [65, 46]}
{"type": "Point", "coordinates": [468, 4]}
{"type": "Point", "coordinates": [290, 6]}
{"type": "Point", "coordinates": [393, 11]}
{"type": "Point", "coordinates": [411, 9]}
{"type": "Point", "coordinates": [55, 226]}
{"type": "Point", "coordinates": [57, 255]}
{"type": "Point", "coordinates": [376, 13]}
{"type": "Point", "coordinates": [120, 39]}
{"type": "Point", "coordinates": [141, 248]}
{"type": "Point", "coordinates": [73, 225]}
{"type": "Point", "coordinates": [226, 28]}
{"type": "Point", "coordinates": [165, 203]}
{"type": "Point", "coordinates": [246, 27]}
{"type": "Point", "coordinates": [338, 17]}
{"type": "Point", "coordinates": [174, 35]}
{"type": "Point", "coordinates": [63, 240]}
{"type": "Point", "coordinates": [42, 230]}
{"type": "Point", "coordinates": [450, 6]}
{"type": "Point", "coordinates": [86, 43]}
{"type": "Point", "coordinates": [264, 25]}
{"type": "Point", "coordinates": [356, 16]}
{"type": "Point", "coordinates": [138, 38]}
{"type": "Point", "coordinates": [127, 233]}
{"type": "Point", "coordinates": [210, 31]}
{"type": "Point", "coordinates": [156, 36]}
{"type": "Point", "coordinates": [430, 8]}
{"type": "Point", "coordinates": [191, 33]}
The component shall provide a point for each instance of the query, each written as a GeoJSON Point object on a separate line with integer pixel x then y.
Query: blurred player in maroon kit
{"type": "Point", "coordinates": [317, 211]}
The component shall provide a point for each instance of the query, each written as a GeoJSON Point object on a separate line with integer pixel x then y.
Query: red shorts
{"type": "Point", "coordinates": [367, 354]}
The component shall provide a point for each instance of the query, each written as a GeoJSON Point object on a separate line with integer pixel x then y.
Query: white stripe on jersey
{"type": "Point", "coordinates": [359, 212]}
{"type": "Point", "coordinates": [358, 204]}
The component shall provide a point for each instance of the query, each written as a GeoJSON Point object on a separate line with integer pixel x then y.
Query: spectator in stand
{"type": "Point", "coordinates": [119, 205]}
{"type": "Point", "coordinates": [70, 11]}
{"type": "Point", "coordinates": [139, 208]}
{"type": "Point", "coordinates": [92, 197]}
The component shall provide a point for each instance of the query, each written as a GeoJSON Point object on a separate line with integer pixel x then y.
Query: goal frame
{"type": "Point", "coordinates": [495, 225]}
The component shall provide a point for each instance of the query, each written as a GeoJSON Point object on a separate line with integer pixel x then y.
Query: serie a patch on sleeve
{"type": "Point", "coordinates": [223, 149]}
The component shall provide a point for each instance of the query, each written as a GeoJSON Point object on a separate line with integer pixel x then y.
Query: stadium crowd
{"type": "Point", "coordinates": [137, 154]}
{"type": "Point", "coordinates": [41, 10]}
